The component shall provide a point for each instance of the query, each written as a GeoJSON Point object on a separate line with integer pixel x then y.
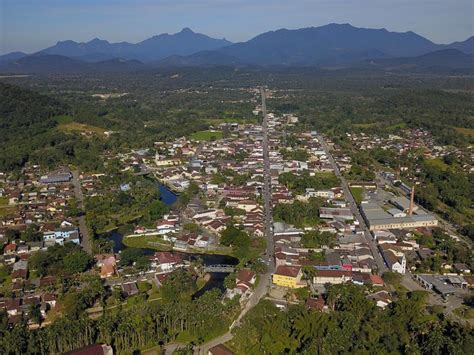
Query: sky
{"type": "Point", "coordinates": [31, 25]}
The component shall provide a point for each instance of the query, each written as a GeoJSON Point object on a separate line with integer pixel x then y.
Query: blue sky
{"type": "Point", "coordinates": [30, 25]}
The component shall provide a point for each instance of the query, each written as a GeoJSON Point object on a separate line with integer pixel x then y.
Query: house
{"type": "Point", "coordinates": [10, 249]}
{"type": "Point", "coordinates": [164, 227]}
{"type": "Point", "coordinates": [288, 276]}
{"type": "Point", "coordinates": [382, 298]}
{"type": "Point", "coordinates": [332, 277]}
{"type": "Point", "coordinates": [316, 304]}
{"type": "Point", "coordinates": [220, 349]}
{"type": "Point", "coordinates": [462, 268]}
{"type": "Point", "coordinates": [166, 260]}
{"type": "Point", "coordinates": [396, 263]}
{"type": "Point", "coordinates": [12, 306]}
{"type": "Point", "coordinates": [108, 265]}
{"type": "Point", "coordinates": [130, 288]}
{"type": "Point", "coordinates": [247, 205]}
{"type": "Point", "coordinates": [327, 194]}
{"type": "Point", "coordinates": [50, 299]}
{"type": "Point", "coordinates": [95, 349]}
{"type": "Point", "coordinates": [246, 275]}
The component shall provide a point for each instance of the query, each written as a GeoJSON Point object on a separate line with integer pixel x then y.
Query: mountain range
{"type": "Point", "coordinates": [333, 45]}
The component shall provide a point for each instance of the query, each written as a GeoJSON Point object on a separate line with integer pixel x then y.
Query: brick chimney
{"type": "Point", "coordinates": [412, 197]}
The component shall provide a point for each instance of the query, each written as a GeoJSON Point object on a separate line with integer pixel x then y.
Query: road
{"type": "Point", "coordinates": [85, 240]}
{"type": "Point", "coordinates": [267, 188]}
{"type": "Point", "coordinates": [354, 209]}
{"type": "Point", "coordinates": [265, 278]}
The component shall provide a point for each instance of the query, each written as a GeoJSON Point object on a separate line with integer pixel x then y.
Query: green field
{"type": "Point", "coordinates": [438, 163]}
{"type": "Point", "coordinates": [357, 192]}
{"type": "Point", "coordinates": [466, 131]}
{"type": "Point", "coordinates": [147, 242]}
{"type": "Point", "coordinates": [207, 135]}
{"type": "Point", "coordinates": [3, 201]}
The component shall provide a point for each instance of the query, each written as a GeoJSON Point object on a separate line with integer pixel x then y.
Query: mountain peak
{"type": "Point", "coordinates": [186, 30]}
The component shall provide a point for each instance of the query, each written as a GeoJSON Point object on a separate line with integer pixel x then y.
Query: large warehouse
{"type": "Point", "coordinates": [377, 218]}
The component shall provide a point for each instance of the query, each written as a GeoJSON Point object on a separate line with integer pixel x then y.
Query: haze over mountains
{"type": "Point", "coordinates": [333, 45]}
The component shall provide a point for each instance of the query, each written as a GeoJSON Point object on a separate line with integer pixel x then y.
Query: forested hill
{"type": "Point", "coordinates": [25, 113]}
{"type": "Point", "coordinates": [27, 130]}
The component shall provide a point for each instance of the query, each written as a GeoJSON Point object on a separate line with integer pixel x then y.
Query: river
{"type": "Point", "coordinates": [216, 279]}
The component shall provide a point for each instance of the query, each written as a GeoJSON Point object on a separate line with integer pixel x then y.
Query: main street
{"type": "Point", "coordinates": [354, 209]}
{"type": "Point", "coordinates": [265, 278]}
{"type": "Point", "coordinates": [267, 180]}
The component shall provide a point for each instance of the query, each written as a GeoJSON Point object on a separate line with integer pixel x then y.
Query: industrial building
{"type": "Point", "coordinates": [401, 217]}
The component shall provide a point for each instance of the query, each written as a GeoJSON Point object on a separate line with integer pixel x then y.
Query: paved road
{"type": "Point", "coordinates": [267, 194]}
{"type": "Point", "coordinates": [85, 241]}
{"type": "Point", "coordinates": [354, 209]}
{"type": "Point", "coordinates": [265, 279]}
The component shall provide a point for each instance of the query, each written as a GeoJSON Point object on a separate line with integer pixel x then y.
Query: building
{"type": "Point", "coordinates": [396, 263]}
{"type": "Point", "coordinates": [377, 218]}
{"type": "Point", "coordinates": [96, 349]}
{"type": "Point", "coordinates": [288, 276]}
{"type": "Point", "coordinates": [328, 194]}
{"type": "Point", "coordinates": [166, 260]}
{"type": "Point", "coordinates": [220, 349]}
{"type": "Point", "coordinates": [332, 277]}
{"type": "Point", "coordinates": [58, 178]}
{"type": "Point", "coordinates": [336, 213]}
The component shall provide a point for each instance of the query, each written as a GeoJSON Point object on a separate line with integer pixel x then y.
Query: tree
{"type": "Point", "coordinates": [230, 281]}
{"type": "Point", "coordinates": [78, 261]}
{"type": "Point", "coordinates": [130, 256]}
{"type": "Point", "coordinates": [179, 286]}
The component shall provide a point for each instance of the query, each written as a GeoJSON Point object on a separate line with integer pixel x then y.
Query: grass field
{"type": "Point", "coordinates": [3, 201]}
{"type": "Point", "coordinates": [6, 210]}
{"type": "Point", "coordinates": [466, 131]}
{"type": "Point", "coordinates": [207, 135]}
{"type": "Point", "coordinates": [357, 192]}
{"type": "Point", "coordinates": [79, 127]}
{"type": "Point", "coordinates": [438, 163]}
{"type": "Point", "coordinates": [67, 124]}
{"type": "Point", "coordinates": [465, 312]}
{"type": "Point", "coordinates": [149, 242]}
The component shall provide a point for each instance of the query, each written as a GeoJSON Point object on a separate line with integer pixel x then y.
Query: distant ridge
{"type": "Point", "coordinates": [446, 60]}
{"type": "Point", "coordinates": [157, 47]}
{"type": "Point", "coordinates": [332, 45]}
{"type": "Point", "coordinates": [51, 63]}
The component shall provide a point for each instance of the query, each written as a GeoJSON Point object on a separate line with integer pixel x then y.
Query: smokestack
{"type": "Point", "coordinates": [412, 197]}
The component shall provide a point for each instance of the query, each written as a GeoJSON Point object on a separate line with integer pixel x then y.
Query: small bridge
{"type": "Point", "coordinates": [219, 268]}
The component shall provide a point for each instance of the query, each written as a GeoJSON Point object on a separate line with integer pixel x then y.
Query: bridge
{"type": "Point", "coordinates": [219, 268]}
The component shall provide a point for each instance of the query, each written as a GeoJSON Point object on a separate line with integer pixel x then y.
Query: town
{"type": "Point", "coordinates": [276, 203]}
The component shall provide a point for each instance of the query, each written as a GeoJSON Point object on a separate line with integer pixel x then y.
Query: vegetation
{"type": "Point", "coordinates": [357, 193]}
{"type": "Point", "coordinates": [207, 135]}
{"type": "Point", "coordinates": [316, 239]}
{"type": "Point", "coordinates": [127, 329]}
{"type": "Point", "coordinates": [298, 213]}
{"type": "Point", "coordinates": [299, 183]}
{"type": "Point", "coordinates": [68, 259]}
{"type": "Point", "coordinates": [354, 326]}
